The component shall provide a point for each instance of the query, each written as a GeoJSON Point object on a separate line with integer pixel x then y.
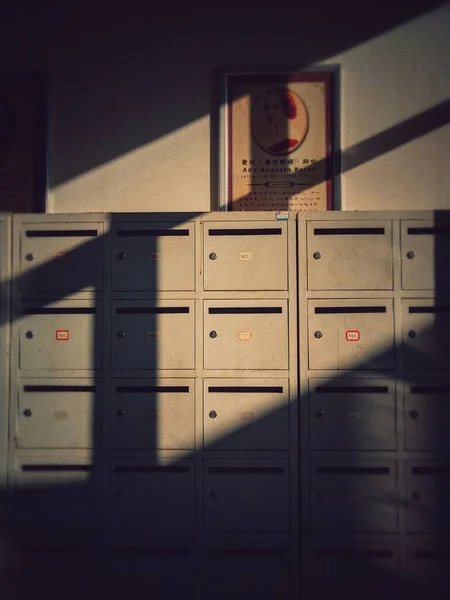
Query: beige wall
{"type": "Point", "coordinates": [130, 124]}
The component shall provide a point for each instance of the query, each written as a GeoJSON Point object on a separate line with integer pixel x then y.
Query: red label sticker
{"type": "Point", "coordinates": [62, 335]}
{"type": "Point", "coordinates": [352, 336]}
{"type": "Point", "coordinates": [244, 336]}
{"type": "Point", "coordinates": [60, 255]}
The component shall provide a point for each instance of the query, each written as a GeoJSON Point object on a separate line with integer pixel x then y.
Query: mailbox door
{"type": "Point", "coordinates": [349, 255]}
{"type": "Point", "coordinates": [245, 256]}
{"type": "Point", "coordinates": [153, 256]}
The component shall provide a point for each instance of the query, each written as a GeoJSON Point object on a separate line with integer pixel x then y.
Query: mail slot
{"type": "Point", "coordinates": [427, 415]}
{"type": "Point", "coordinates": [65, 334]}
{"type": "Point", "coordinates": [61, 257]}
{"type": "Point", "coordinates": [246, 414]}
{"type": "Point", "coordinates": [245, 571]}
{"type": "Point", "coordinates": [246, 334]}
{"type": "Point", "coordinates": [351, 334]}
{"type": "Point", "coordinates": [246, 495]}
{"type": "Point", "coordinates": [353, 569]}
{"type": "Point", "coordinates": [62, 413]}
{"type": "Point", "coordinates": [149, 413]}
{"type": "Point", "coordinates": [149, 497]}
{"type": "Point", "coordinates": [149, 334]}
{"type": "Point", "coordinates": [245, 256]}
{"type": "Point", "coordinates": [425, 247]}
{"type": "Point", "coordinates": [427, 496]}
{"type": "Point", "coordinates": [349, 255]}
{"type": "Point", "coordinates": [426, 334]}
{"type": "Point", "coordinates": [353, 414]}
{"type": "Point", "coordinates": [57, 499]}
{"type": "Point", "coordinates": [153, 256]}
{"type": "Point", "coordinates": [354, 496]}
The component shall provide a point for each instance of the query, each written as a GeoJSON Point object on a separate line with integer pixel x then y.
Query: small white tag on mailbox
{"type": "Point", "coordinates": [245, 255]}
{"type": "Point", "coordinates": [244, 336]}
{"type": "Point", "coordinates": [353, 336]}
{"type": "Point", "coordinates": [62, 335]}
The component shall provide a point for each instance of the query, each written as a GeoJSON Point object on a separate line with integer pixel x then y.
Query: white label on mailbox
{"type": "Point", "coordinates": [244, 336]}
{"type": "Point", "coordinates": [282, 215]}
{"type": "Point", "coordinates": [62, 335]}
{"type": "Point", "coordinates": [153, 335]}
{"type": "Point", "coordinates": [245, 255]}
{"type": "Point", "coordinates": [353, 336]}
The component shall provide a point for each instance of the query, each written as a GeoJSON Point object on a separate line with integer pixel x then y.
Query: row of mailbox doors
{"type": "Point", "coordinates": [253, 495]}
{"type": "Point", "coordinates": [244, 334]}
{"type": "Point", "coordinates": [249, 571]}
{"type": "Point", "coordinates": [238, 414]}
{"type": "Point", "coordinates": [344, 255]}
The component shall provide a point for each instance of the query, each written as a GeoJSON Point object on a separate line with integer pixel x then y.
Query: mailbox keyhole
{"type": "Point", "coordinates": [29, 257]}
{"type": "Point", "coordinates": [213, 334]}
{"type": "Point", "coordinates": [121, 334]}
{"type": "Point", "coordinates": [213, 256]}
{"type": "Point", "coordinates": [319, 414]}
{"type": "Point", "coordinates": [29, 335]}
{"type": "Point", "coordinates": [120, 413]}
{"type": "Point", "coordinates": [27, 412]}
{"type": "Point", "coordinates": [414, 414]}
{"type": "Point", "coordinates": [212, 414]}
{"type": "Point", "coordinates": [121, 256]}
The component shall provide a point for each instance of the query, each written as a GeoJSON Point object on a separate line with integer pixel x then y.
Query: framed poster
{"type": "Point", "coordinates": [23, 140]}
{"type": "Point", "coordinates": [276, 143]}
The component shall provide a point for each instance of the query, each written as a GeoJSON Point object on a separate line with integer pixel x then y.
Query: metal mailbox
{"type": "Point", "coordinates": [149, 413]}
{"type": "Point", "coordinates": [153, 256]}
{"type": "Point", "coordinates": [245, 256]}
{"type": "Point", "coordinates": [59, 413]}
{"type": "Point", "coordinates": [354, 569]}
{"type": "Point", "coordinates": [351, 334]}
{"type": "Point", "coordinates": [245, 571]}
{"type": "Point", "coordinates": [57, 499]}
{"type": "Point", "coordinates": [246, 414]}
{"type": "Point", "coordinates": [150, 334]}
{"type": "Point", "coordinates": [425, 247]}
{"type": "Point", "coordinates": [66, 334]}
{"type": "Point", "coordinates": [426, 334]}
{"type": "Point", "coordinates": [245, 334]}
{"type": "Point", "coordinates": [427, 415]}
{"type": "Point", "coordinates": [353, 414]}
{"type": "Point", "coordinates": [427, 496]}
{"type": "Point", "coordinates": [349, 255]}
{"type": "Point", "coordinates": [149, 497]}
{"type": "Point", "coordinates": [358, 496]}
{"type": "Point", "coordinates": [61, 257]}
{"type": "Point", "coordinates": [246, 495]}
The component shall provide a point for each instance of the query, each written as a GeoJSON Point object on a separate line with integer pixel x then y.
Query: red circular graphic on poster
{"type": "Point", "coordinates": [279, 121]}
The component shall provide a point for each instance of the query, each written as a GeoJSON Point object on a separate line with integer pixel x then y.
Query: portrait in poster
{"type": "Point", "coordinates": [276, 142]}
